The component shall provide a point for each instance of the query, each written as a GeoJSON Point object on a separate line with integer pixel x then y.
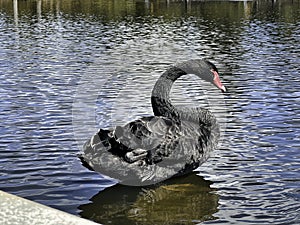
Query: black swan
{"type": "Point", "coordinates": [151, 149]}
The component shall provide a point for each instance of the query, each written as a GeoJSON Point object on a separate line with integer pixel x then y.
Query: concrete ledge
{"type": "Point", "coordinates": [19, 211]}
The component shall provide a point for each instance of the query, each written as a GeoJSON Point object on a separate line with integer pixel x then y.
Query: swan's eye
{"type": "Point", "coordinates": [214, 69]}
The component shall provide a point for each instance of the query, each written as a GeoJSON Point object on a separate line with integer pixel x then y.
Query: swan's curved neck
{"type": "Point", "coordinates": [161, 103]}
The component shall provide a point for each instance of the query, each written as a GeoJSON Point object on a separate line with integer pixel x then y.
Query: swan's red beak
{"type": "Point", "coordinates": [218, 82]}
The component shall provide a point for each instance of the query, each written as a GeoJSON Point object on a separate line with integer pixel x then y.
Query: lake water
{"type": "Point", "coordinates": [68, 68]}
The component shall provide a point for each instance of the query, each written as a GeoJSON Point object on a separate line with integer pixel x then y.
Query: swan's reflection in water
{"type": "Point", "coordinates": [181, 200]}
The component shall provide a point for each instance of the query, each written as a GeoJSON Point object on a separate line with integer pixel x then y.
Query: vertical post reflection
{"type": "Point", "coordinates": [188, 6]}
{"type": "Point", "coordinates": [15, 5]}
{"type": "Point", "coordinates": [39, 9]}
{"type": "Point", "coordinates": [57, 8]}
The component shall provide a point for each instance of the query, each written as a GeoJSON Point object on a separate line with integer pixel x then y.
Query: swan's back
{"type": "Point", "coordinates": [166, 148]}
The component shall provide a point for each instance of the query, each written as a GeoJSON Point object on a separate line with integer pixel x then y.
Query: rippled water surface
{"type": "Point", "coordinates": [70, 67]}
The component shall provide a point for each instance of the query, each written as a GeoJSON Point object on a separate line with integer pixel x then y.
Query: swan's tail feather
{"type": "Point", "coordinates": [84, 163]}
{"type": "Point", "coordinates": [95, 146]}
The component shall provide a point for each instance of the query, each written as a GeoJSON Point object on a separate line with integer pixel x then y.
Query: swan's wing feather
{"type": "Point", "coordinates": [186, 143]}
{"type": "Point", "coordinates": [142, 134]}
{"type": "Point", "coordinates": [162, 147]}
{"type": "Point", "coordinates": [98, 154]}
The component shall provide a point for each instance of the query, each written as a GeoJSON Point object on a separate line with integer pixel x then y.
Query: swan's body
{"type": "Point", "coordinates": [173, 142]}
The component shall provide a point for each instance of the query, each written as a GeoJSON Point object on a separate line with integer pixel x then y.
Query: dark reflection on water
{"type": "Point", "coordinates": [184, 200]}
{"type": "Point", "coordinates": [49, 48]}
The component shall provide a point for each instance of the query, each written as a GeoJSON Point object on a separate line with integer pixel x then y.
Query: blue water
{"type": "Point", "coordinates": [68, 69]}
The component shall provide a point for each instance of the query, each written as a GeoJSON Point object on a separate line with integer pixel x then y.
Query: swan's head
{"type": "Point", "coordinates": [203, 69]}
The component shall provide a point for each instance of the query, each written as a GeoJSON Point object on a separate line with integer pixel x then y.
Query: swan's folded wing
{"type": "Point", "coordinates": [146, 133]}
{"type": "Point", "coordinates": [172, 149]}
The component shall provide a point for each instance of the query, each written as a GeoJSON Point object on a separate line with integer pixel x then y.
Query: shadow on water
{"type": "Point", "coordinates": [184, 200]}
